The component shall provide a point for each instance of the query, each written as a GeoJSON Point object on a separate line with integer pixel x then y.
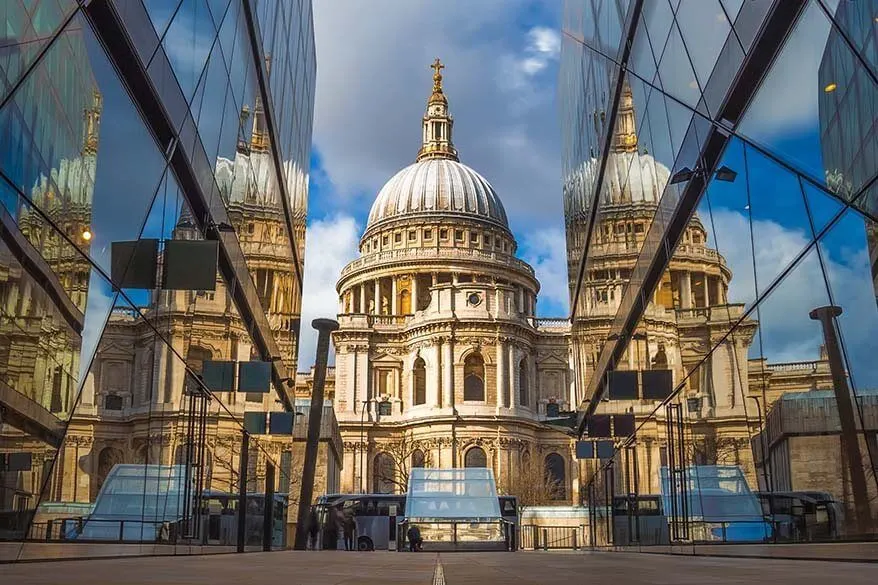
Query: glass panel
{"type": "Point", "coordinates": [28, 27]}
{"type": "Point", "coordinates": [452, 494]}
{"type": "Point", "coordinates": [815, 71]}
{"type": "Point", "coordinates": [188, 42]}
{"type": "Point", "coordinates": [704, 27]}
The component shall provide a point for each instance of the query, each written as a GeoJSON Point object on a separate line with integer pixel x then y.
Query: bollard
{"type": "Point", "coordinates": [268, 509]}
{"type": "Point", "coordinates": [324, 327]}
{"type": "Point", "coordinates": [243, 464]}
{"type": "Point", "coordinates": [575, 540]}
{"type": "Point", "coordinates": [545, 539]}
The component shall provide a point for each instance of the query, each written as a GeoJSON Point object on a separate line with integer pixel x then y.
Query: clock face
{"type": "Point", "coordinates": [474, 299]}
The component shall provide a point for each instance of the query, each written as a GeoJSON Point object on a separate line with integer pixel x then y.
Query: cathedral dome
{"type": "Point", "coordinates": [437, 183]}
{"type": "Point", "coordinates": [438, 186]}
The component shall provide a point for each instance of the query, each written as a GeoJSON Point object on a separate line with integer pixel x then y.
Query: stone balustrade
{"type": "Point", "coordinates": [473, 254]}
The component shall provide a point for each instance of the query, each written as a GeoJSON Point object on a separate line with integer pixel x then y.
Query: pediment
{"type": "Point", "coordinates": [386, 358]}
{"type": "Point", "coordinates": [109, 349]}
{"type": "Point", "coordinates": [552, 360]}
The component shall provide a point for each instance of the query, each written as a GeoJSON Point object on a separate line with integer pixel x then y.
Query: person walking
{"type": "Point", "coordinates": [313, 529]}
{"type": "Point", "coordinates": [415, 540]}
{"type": "Point", "coordinates": [350, 528]}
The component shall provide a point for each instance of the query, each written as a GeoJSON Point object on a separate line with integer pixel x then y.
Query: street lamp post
{"type": "Point", "coordinates": [849, 440]}
{"type": "Point", "coordinates": [362, 439]}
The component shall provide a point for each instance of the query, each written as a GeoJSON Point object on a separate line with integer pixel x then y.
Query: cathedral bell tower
{"type": "Point", "coordinates": [437, 123]}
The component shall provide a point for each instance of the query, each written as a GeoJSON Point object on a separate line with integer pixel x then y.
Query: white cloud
{"type": "Point", "coordinates": [329, 245]}
{"type": "Point", "coordinates": [546, 251]}
{"type": "Point", "coordinates": [545, 40]}
{"type": "Point", "coordinates": [543, 47]}
{"type": "Point", "coordinates": [788, 333]}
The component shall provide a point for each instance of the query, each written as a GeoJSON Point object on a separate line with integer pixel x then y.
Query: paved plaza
{"type": "Point", "coordinates": [524, 568]}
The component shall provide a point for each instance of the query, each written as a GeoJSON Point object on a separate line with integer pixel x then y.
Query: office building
{"type": "Point", "coordinates": [154, 188]}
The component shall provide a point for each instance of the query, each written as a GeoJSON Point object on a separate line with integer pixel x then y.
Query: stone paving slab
{"type": "Point", "coordinates": [550, 568]}
{"type": "Point", "coordinates": [282, 568]}
{"type": "Point", "coordinates": [522, 568]}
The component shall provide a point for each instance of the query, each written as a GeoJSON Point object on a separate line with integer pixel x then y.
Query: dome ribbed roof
{"type": "Point", "coordinates": [438, 186]}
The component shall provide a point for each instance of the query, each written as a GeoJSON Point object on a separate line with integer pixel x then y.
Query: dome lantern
{"type": "Point", "coordinates": [437, 123]}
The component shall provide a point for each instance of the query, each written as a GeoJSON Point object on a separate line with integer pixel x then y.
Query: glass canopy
{"type": "Point", "coordinates": [457, 495]}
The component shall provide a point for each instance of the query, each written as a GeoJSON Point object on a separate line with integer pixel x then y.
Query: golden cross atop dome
{"type": "Point", "coordinates": [437, 68]}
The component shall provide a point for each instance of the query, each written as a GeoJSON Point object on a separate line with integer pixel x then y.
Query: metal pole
{"type": "Point", "coordinates": [850, 443]}
{"type": "Point", "coordinates": [762, 428]}
{"type": "Point", "coordinates": [362, 449]}
{"type": "Point", "coordinates": [268, 508]}
{"type": "Point", "coordinates": [242, 490]}
{"type": "Point", "coordinates": [324, 327]}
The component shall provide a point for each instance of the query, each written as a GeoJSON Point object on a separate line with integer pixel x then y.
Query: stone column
{"type": "Point", "coordinates": [362, 298]}
{"type": "Point", "coordinates": [707, 299]}
{"type": "Point", "coordinates": [501, 373]}
{"type": "Point", "coordinates": [514, 382]}
{"type": "Point", "coordinates": [377, 300]}
{"type": "Point", "coordinates": [434, 373]}
{"type": "Point", "coordinates": [410, 387]}
{"type": "Point", "coordinates": [394, 307]}
{"type": "Point", "coordinates": [521, 300]}
{"type": "Point", "coordinates": [363, 373]}
{"type": "Point", "coordinates": [348, 365]}
{"type": "Point", "coordinates": [686, 290]}
{"type": "Point", "coordinates": [448, 373]}
{"type": "Point", "coordinates": [414, 293]}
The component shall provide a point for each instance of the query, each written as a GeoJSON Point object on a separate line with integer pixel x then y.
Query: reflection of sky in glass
{"type": "Point", "coordinates": [452, 493]}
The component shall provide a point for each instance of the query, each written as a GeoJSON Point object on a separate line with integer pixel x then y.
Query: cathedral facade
{"type": "Point", "coordinates": [442, 362]}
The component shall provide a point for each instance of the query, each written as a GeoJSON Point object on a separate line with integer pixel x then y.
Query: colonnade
{"type": "Point", "coordinates": [439, 362]}
{"type": "Point", "coordinates": [400, 294]}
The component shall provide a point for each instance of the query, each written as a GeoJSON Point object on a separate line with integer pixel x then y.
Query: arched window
{"type": "Point", "coordinates": [474, 378]}
{"type": "Point", "coordinates": [419, 373]}
{"type": "Point", "coordinates": [383, 479]}
{"type": "Point", "coordinates": [475, 457]}
{"type": "Point", "coordinates": [405, 303]}
{"type": "Point", "coordinates": [522, 382]}
{"type": "Point", "coordinates": [196, 356]}
{"type": "Point", "coordinates": [108, 458]}
{"type": "Point", "coordinates": [418, 458]}
{"type": "Point", "coordinates": [557, 476]}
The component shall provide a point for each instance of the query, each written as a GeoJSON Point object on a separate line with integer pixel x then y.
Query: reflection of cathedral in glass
{"type": "Point", "coordinates": [253, 198]}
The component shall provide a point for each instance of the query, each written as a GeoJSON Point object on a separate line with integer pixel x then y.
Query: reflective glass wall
{"type": "Point", "coordinates": [719, 191]}
{"type": "Point", "coordinates": [153, 181]}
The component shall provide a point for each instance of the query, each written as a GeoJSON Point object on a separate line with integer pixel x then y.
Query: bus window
{"type": "Point", "coordinates": [383, 508]}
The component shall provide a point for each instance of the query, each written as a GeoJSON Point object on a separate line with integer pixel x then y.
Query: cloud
{"type": "Point", "coordinates": [545, 41]}
{"type": "Point", "coordinates": [546, 251]}
{"type": "Point", "coordinates": [373, 82]}
{"type": "Point", "coordinates": [329, 245]}
{"type": "Point", "coordinates": [787, 332]}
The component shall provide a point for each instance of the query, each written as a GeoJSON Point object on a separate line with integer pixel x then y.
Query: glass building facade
{"type": "Point", "coordinates": [719, 190]}
{"type": "Point", "coordinates": [154, 184]}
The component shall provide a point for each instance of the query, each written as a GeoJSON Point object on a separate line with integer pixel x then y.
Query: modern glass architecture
{"type": "Point", "coordinates": [719, 185]}
{"type": "Point", "coordinates": [848, 112]}
{"type": "Point", "coordinates": [154, 181]}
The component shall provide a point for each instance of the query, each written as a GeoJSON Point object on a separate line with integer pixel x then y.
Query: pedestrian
{"type": "Point", "coordinates": [415, 540]}
{"type": "Point", "coordinates": [313, 529]}
{"type": "Point", "coordinates": [330, 530]}
{"type": "Point", "coordinates": [350, 527]}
